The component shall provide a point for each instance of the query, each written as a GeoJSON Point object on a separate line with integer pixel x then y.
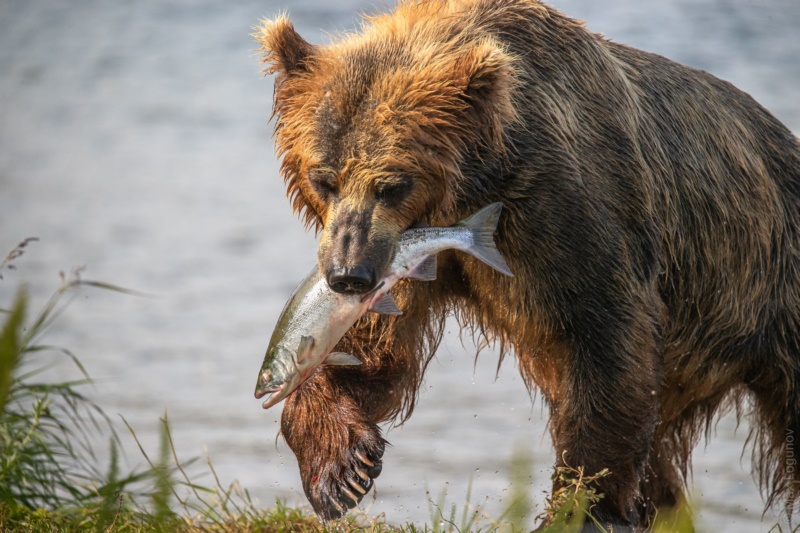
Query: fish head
{"type": "Point", "coordinates": [277, 377]}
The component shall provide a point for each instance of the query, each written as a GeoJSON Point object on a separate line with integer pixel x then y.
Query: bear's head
{"type": "Point", "coordinates": [373, 129]}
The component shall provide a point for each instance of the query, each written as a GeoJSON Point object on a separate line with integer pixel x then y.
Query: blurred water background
{"type": "Point", "coordinates": [134, 140]}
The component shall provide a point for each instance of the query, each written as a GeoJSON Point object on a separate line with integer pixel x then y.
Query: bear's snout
{"type": "Point", "coordinates": [356, 249]}
{"type": "Point", "coordinates": [351, 279]}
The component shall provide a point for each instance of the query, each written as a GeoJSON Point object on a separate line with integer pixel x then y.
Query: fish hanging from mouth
{"type": "Point", "coordinates": [315, 318]}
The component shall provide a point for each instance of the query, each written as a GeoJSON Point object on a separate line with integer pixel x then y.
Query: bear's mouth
{"type": "Point", "coordinates": [423, 222]}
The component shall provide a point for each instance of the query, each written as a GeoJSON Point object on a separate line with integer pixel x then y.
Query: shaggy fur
{"type": "Point", "coordinates": [651, 220]}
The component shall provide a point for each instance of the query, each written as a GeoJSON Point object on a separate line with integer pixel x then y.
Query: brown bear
{"type": "Point", "coordinates": [651, 218]}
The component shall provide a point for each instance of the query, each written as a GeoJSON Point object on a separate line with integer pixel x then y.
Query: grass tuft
{"type": "Point", "coordinates": [570, 506]}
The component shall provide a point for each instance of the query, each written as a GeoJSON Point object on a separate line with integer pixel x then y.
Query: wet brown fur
{"type": "Point", "coordinates": [651, 220]}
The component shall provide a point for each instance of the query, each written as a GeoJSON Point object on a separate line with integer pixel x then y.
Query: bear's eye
{"type": "Point", "coordinates": [392, 193]}
{"type": "Point", "coordinates": [324, 183]}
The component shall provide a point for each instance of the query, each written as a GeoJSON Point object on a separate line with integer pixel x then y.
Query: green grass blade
{"type": "Point", "coordinates": [11, 345]}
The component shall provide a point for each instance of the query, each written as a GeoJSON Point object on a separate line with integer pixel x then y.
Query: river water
{"type": "Point", "coordinates": [134, 140]}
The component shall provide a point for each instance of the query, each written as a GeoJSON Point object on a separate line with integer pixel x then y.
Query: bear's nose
{"type": "Point", "coordinates": [357, 279]}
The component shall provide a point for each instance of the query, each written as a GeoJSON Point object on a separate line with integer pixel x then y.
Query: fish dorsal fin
{"type": "Point", "coordinates": [386, 305]}
{"type": "Point", "coordinates": [341, 359]}
{"type": "Point", "coordinates": [305, 347]}
{"type": "Point", "coordinates": [425, 271]}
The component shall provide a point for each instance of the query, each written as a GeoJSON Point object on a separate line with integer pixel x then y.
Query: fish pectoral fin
{"type": "Point", "coordinates": [341, 359]}
{"type": "Point", "coordinates": [304, 348]}
{"type": "Point", "coordinates": [386, 305]}
{"type": "Point", "coordinates": [425, 271]}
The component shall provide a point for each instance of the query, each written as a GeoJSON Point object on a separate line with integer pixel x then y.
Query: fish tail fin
{"type": "Point", "coordinates": [483, 225]}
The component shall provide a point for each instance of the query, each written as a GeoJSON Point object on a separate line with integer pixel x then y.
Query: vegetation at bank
{"type": "Point", "coordinates": [51, 479]}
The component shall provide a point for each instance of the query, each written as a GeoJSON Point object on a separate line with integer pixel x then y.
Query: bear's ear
{"type": "Point", "coordinates": [285, 52]}
{"type": "Point", "coordinates": [487, 76]}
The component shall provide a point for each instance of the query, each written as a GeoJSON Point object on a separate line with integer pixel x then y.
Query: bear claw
{"type": "Point", "coordinates": [349, 493]}
{"type": "Point", "coordinates": [338, 507]}
{"type": "Point", "coordinates": [338, 486]}
{"type": "Point", "coordinates": [356, 485]}
{"type": "Point", "coordinates": [363, 458]}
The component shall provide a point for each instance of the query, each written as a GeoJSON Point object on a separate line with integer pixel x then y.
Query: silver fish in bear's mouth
{"type": "Point", "coordinates": [315, 318]}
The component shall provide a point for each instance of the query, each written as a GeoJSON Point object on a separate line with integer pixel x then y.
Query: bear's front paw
{"type": "Point", "coordinates": [339, 485]}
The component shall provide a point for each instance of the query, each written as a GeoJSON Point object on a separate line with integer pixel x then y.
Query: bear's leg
{"type": "Point", "coordinates": [338, 447]}
{"type": "Point", "coordinates": [776, 437]}
{"type": "Point", "coordinates": [606, 406]}
{"type": "Point", "coordinates": [662, 485]}
{"type": "Point", "coordinates": [330, 422]}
